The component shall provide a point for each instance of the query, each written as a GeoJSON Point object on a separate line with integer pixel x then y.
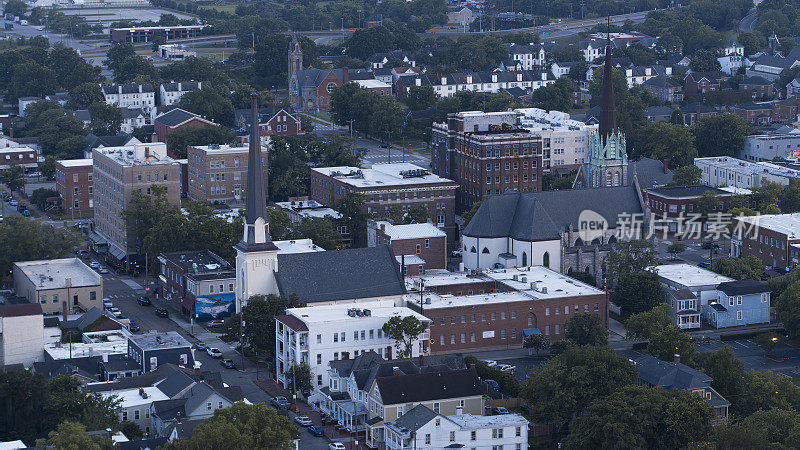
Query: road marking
{"type": "Point", "coordinates": [133, 285]}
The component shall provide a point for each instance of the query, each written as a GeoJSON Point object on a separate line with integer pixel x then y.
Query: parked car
{"type": "Point", "coordinates": [704, 265]}
{"type": "Point", "coordinates": [336, 446]}
{"type": "Point", "coordinates": [115, 312]}
{"type": "Point", "coordinates": [144, 301]}
{"type": "Point", "coordinates": [215, 323]}
{"type": "Point", "coordinates": [280, 402]}
{"type": "Point", "coordinates": [133, 326]}
{"type": "Point", "coordinates": [385, 146]}
{"type": "Point", "coordinates": [94, 265]}
{"type": "Point", "coordinates": [26, 213]}
{"type": "Point", "coordinates": [103, 270]}
{"type": "Point", "coordinates": [13, 202]}
{"type": "Point", "coordinates": [490, 362]}
{"type": "Point", "coordinates": [316, 431]}
{"type": "Point", "coordinates": [21, 208]}
{"type": "Point", "coordinates": [764, 276]}
{"type": "Point", "coordinates": [455, 253]}
{"type": "Point", "coordinates": [493, 384]}
{"type": "Point", "coordinates": [499, 410]}
{"type": "Point", "coordinates": [162, 312]}
{"type": "Point", "coordinates": [303, 420]}
{"type": "Point", "coordinates": [507, 368]}
{"type": "Point", "coordinates": [214, 352]}
{"type": "Point", "coordinates": [107, 303]}
{"type": "Point", "coordinates": [227, 363]}
{"type": "Point", "coordinates": [201, 346]}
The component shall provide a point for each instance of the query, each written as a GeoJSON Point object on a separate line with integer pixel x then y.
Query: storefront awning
{"type": "Point", "coordinates": [97, 239]}
{"type": "Point", "coordinates": [116, 252]}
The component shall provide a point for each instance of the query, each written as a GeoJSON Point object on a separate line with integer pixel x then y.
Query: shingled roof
{"type": "Point", "coordinates": [670, 375]}
{"type": "Point", "coordinates": [429, 386]}
{"type": "Point", "coordinates": [340, 275]}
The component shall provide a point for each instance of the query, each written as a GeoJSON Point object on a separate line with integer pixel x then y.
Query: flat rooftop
{"type": "Point", "coordinates": [472, 421]}
{"type": "Point", "coordinates": [442, 278]}
{"type": "Point", "coordinates": [788, 224]}
{"type": "Point", "coordinates": [297, 246]}
{"type": "Point", "coordinates": [132, 397]}
{"type": "Point", "coordinates": [411, 231]}
{"type": "Point", "coordinates": [309, 208]}
{"type": "Point", "coordinates": [748, 167]}
{"type": "Point", "coordinates": [53, 273]}
{"type": "Point", "coordinates": [690, 275]}
{"type": "Point", "coordinates": [383, 175]}
{"type": "Point", "coordinates": [157, 340]}
{"type": "Point", "coordinates": [76, 162]}
{"type": "Point", "coordinates": [134, 155]}
{"type": "Point", "coordinates": [223, 149]}
{"type": "Point", "coordinates": [197, 261]}
{"type": "Point", "coordinates": [685, 191]}
{"type": "Point", "coordinates": [382, 309]}
{"type": "Point", "coordinates": [115, 345]}
{"type": "Point", "coordinates": [536, 119]}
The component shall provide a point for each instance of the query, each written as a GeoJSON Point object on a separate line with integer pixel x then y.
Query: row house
{"type": "Point", "coordinates": [698, 83]}
{"type": "Point", "coordinates": [197, 283]}
{"type": "Point", "coordinates": [171, 93]}
{"type": "Point", "coordinates": [772, 238]}
{"type": "Point", "coordinates": [446, 85]}
{"type": "Point", "coordinates": [759, 87]}
{"type": "Point", "coordinates": [664, 89]}
{"type": "Point", "coordinates": [530, 56]}
{"type": "Point", "coordinates": [131, 95]}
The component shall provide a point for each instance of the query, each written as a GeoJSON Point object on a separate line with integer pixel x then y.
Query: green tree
{"type": "Point", "coordinates": [131, 430]}
{"type": "Point", "coordinates": [209, 103]}
{"type": "Point", "coordinates": [555, 97]}
{"type": "Point", "coordinates": [321, 230]}
{"type": "Point", "coordinates": [726, 370]}
{"type": "Point", "coordinates": [23, 239]}
{"type": "Point", "coordinates": [637, 292]}
{"type": "Point", "coordinates": [31, 79]}
{"type": "Point", "coordinates": [669, 342]}
{"type": "Point", "coordinates": [72, 435]}
{"type": "Point", "coordinates": [351, 207]}
{"type": "Point", "coordinates": [705, 61]}
{"type": "Point", "coordinates": [676, 248]}
{"type": "Point", "coordinates": [181, 138]}
{"type": "Point", "coordinates": [508, 382]}
{"type": "Point", "coordinates": [39, 197]}
{"type": "Point", "coordinates": [586, 329]}
{"type": "Point", "coordinates": [720, 135]}
{"type": "Point", "coordinates": [766, 194]}
{"type": "Point", "coordinates": [708, 203]}
{"type": "Point", "coordinates": [15, 7]}
{"type": "Point", "coordinates": [403, 331]}
{"type": "Point", "coordinates": [106, 119]}
{"type": "Point", "coordinates": [416, 214]}
{"type": "Point", "coordinates": [13, 177]}
{"type": "Point", "coordinates": [765, 390]}
{"type": "Point", "coordinates": [645, 324]}
{"type": "Point", "coordinates": [630, 257]}
{"type": "Point", "coordinates": [687, 176]}
{"type": "Point", "coordinates": [280, 225]}
{"type": "Point", "coordinates": [420, 98]}
{"type": "Point", "coordinates": [578, 71]}
{"type": "Point", "coordinates": [642, 417]}
{"type": "Point", "coordinates": [767, 341]}
{"type": "Point", "coordinates": [536, 342]}
{"type": "Point", "coordinates": [749, 267]}
{"type": "Point", "coordinates": [260, 310]}
{"type": "Point", "coordinates": [83, 95]}
{"type": "Point", "coordinates": [771, 428]}
{"type": "Point", "coordinates": [300, 375]}
{"type": "Point", "coordinates": [668, 142]}
{"type": "Point", "coordinates": [48, 167]}
{"type": "Point", "coordinates": [468, 215]}
{"type": "Point", "coordinates": [790, 201]}
{"type": "Point", "coordinates": [241, 426]}
{"type": "Point", "coordinates": [571, 381]}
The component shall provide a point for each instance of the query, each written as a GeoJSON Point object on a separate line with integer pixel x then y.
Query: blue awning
{"type": "Point", "coordinates": [529, 331]}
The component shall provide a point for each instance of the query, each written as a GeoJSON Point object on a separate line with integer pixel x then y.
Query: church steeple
{"type": "Point", "coordinates": [256, 221]}
{"type": "Point", "coordinates": [608, 110]}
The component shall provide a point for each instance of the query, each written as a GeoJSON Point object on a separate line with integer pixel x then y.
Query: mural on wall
{"type": "Point", "coordinates": [217, 306]}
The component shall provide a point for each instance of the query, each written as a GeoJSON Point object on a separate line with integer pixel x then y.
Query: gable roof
{"type": "Point", "coordinates": [429, 386]}
{"type": "Point", "coordinates": [185, 86]}
{"type": "Point", "coordinates": [743, 287]}
{"type": "Point", "coordinates": [650, 173]}
{"type": "Point", "coordinates": [661, 81]}
{"type": "Point", "coordinates": [176, 117]}
{"type": "Point", "coordinates": [415, 419]}
{"type": "Point", "coordinates": [670, 375]}
{"type": "Point", "coordinates": [175, 384]}
{"type": "Point", "coordinates": [329, 276]}
{"type": "Point", "coordinates": [757, 81]}
{"type": "Point", "coordinates": [543, 215]}
{"type": "Point", "coordinates": [653, 111]}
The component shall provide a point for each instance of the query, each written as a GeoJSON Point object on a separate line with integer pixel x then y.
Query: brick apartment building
{"type": "Point", "coordinates": [385, 185]}
{"type": "Point", "coordinates": [775, 239]}
{"type": "Point", "coordinates": [272, 121]}
{"type": "Point", "coordinates": [24, 157]}
{"type": "Point", "coordinates": [418, 247]}
{"type": "Point", "coordinates": [500, 307]}
{"type": "Point", "coordinates": [669, 203]}
{"type": "Point", "coordinates": [697, 83]}
{"type": "Point", "coordinates": [219, 172]}
{"type": "Point", "coordinates": [486, 153]}
{"type": "Point", "coordinates": [118, 172]}
{"type": "Point", "coordinates": [75, 186]}
{"type": "Point", "coordinates": [187, 275]}
{"type": "Point", "coordinates": [170, 121]}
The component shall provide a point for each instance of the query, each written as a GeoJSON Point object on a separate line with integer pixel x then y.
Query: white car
{"type": "Point", "coordinates": [214, 352]}
{"type": "Point", "coordinates": [107, 303]}
{"type": "Point", "coordinates": [490, 362]}
{"type": "Point", "coordinates": [336, 446]}
{"type": "Point", "coordinates": [94, 265]}
{"type": "Point", "coordinates": [13, 203]}
{"type": "Point", "coordinates": [303, 420]}
{"type": "Point", "coordinates": [507, 368]}
{"type": "Point", "coordinates": [115, 312]}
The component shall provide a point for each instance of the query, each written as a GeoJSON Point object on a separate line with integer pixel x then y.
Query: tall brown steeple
{"type": "Point", "coordinates": [608, 111]}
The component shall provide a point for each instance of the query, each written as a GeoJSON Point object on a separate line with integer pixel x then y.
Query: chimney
{"type": "Point", "coordinates": [345, 75]}
{"type": "Point", "coordinates": [68, 282]}
{"type": "Point", "coordinates": [417, 81]}
{"type": "Point", "coordinates": [459, 410]}
{"type": "Point", "coordinates": [666, 165]}
{"type": "Point", "coordinates": [179, 86]}
{"type": "Point", "coordinates": [395, 371]}
{"type": "Point", "coordinates": [197, 371]}
{"type": "Point", "coordinates": [676, 358]}
{"type": "Point", "coordinates": [211, 381]}
{"type": "Point", "coordinates": [178, 417]}
{"type": "Point", "coordinates": [544, 76]}
{"type": "Point", "coordinates": [105, 357]}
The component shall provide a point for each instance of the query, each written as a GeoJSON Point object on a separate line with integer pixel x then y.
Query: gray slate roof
{"type": "Point", "coordinates": [670, 375]}
{"type": "Point", "coordinates": [175, 117]}
{"type": "Point", "coordinates": [743, 287]}
{"type": "Point", "coordinates": [429, 386]}
{"type": "Point", "coordinates": [650, 173]}
{"type": "Point", "coordinates": [340, 275]}
{"type": "Point", "coordinates": [174, 384]}
{"type": "Point", "coordinates": [543, 215]}
{"type": "Point", "coordinates": [415, 419]}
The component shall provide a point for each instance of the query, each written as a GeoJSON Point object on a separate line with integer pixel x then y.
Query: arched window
{"type": "Point", "coordinates": [330, 87]}
{"type": "Point", "coordinates": [546, 259]}
{"type": "Point", "coordinates": [569, 271]}
{"type": "Point", "coordinates": [485, 250]}
{"type": "Point", "coordinates": [472, 250]}
{"type": "Point", "coordinates": [578, 242]}
{"type": "Point", "coordinates": [465, 248]}
{"type": "Point", "coordinates": [524, 259]}
{"type": "Point", "coordinates": [608, 179]}
{"type": "Point", "coordinates": [616, 179]}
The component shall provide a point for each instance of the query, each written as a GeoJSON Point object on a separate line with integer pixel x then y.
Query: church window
{"type": "Point", "coordinates": [472, 250]}
{"type": "Point", "coordinates": [608, 179]}
{"type": "Point", "coordinates": [546, 259]}
{"type": "Point", "coordinates": [485, 250]}
{"type": "Point", "coordinates": [330, 87]}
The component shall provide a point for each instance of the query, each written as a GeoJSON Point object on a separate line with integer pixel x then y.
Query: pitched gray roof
{"type": "Point", "coordinates": [174, 384]}
{"type": "Point", "coordinates": [429, 386]}
{"type": "Point", "coordinates": [670, 375]}
{"type": "Point", "coordinates": [175, 117]}
{"type": "Point", "coordinates": [415, 419]}
{"type": "Point", "coordinates": [542, 215]}
{"type": "Point", "coordinates": [340, 275]}
{"type": "Point", "coordinates": [650, 173]}
{"type": "Point", "coordinates": [743, 287]}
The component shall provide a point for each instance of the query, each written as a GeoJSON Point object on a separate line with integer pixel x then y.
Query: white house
{"type": "Point", "coordinates": [687, 288]}
{"type": "Point", "coordinates": [132, 118]}
{"type": "Point", "coordinates": [732, 57]}
{"type": "Point", "coordinates": [422, 428]}
{"type": "Point", "coordinates": [21, 334]}
{"type": "Point", "coordinates": [131, 95]}
{"type": "Point", "coordinates": [317, 335]}
{"type": "Point", "coordinates": [532, 55]}
{"type": "Point", "coordinates": [171, 93]}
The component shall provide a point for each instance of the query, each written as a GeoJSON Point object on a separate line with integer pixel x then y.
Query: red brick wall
{"type": "Point", "coordinates": [323, 97]}
{"type": "Point", "coordinates": [65, 185]}
{"type": "Point", "coordinates": [772, 252]}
